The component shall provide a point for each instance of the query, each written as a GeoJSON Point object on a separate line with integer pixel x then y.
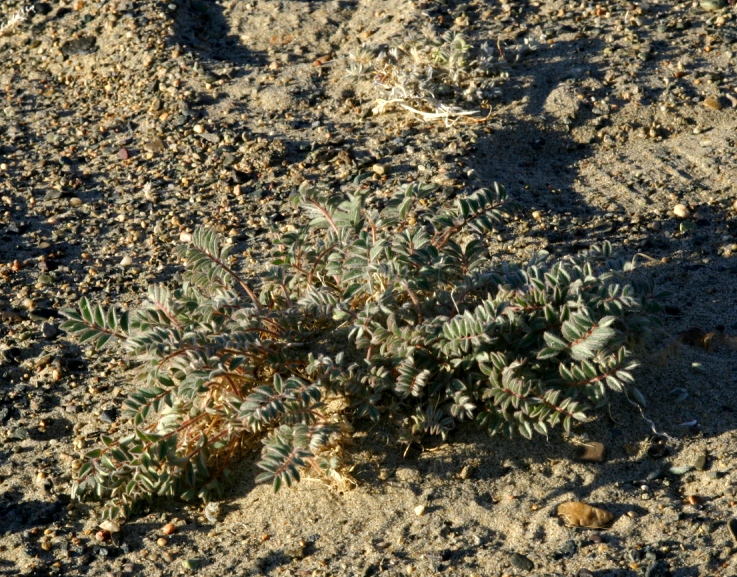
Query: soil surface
{"type": "Point", "coordinates": [124, 124]}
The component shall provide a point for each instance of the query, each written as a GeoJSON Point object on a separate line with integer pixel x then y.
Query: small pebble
{"type": "Point", "coordinates": [521, 562]}
{"type": "Point", "coordinates": [212, 511]}
{"type": "Point", "coordinates": [109, 525]}
{"type": "Point", "coordinates": [419, 510]}
{"type": "Point", "coordinates": [109, 415]}
{"type": "Point", "coordinates": [466, 472]}
{"type": "Point", "coordinates": [379, 169]}
{"type": "Point", "coordinates": [190, 564]}
{"type": "Point", "coordinates": [169, 529]}
{"type": "Point", "coordinates": [49, 331]}
{"type": "Point", "coordinates": [162, 542]}
{"type": "Point", "coordinates": [102, 535]}
{"type": "Point", "coordinates": [681, 211]}
{"type": "Point", "coordinates": [126, 261]}
{"type": "Point", "coordinates": [700, 462]}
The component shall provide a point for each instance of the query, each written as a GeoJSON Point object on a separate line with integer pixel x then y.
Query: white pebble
{"type": "Point", "coordinates": [419, 510]}
{"type": "Point", "coordinates": [681, 211]}
{"type": "Point", "coordinates": [111, 526]}
{"type": "Point", "coordinates": [127, 261]}
{"type": "Point", "coordinates": [185, 237]}
{"type": "Point", "coordinates": [198, 128]}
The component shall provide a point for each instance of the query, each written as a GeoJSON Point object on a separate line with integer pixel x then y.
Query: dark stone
{"type": "Point", "coordinates": [568, 549]}
{"type": "Point", "coordinates": [100, 551]}
{"type": "Point", "coordinates": [49, 331]}
{"type": "Point", "coordinates": [521, 562]}
{"type": "Point", "coordinates": [109, 415]}
{"type": "Point", "coordinates": [81, 45]}
{"type": "Point", "coordinates": [42, 8]}
{"type": "Point", "coordinates": [239, 177]}
{"type": "Point", "coordinates": [74, 364]}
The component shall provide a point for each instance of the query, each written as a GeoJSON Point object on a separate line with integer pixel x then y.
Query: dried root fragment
{"type": "Point", "coordinates": [577, 514]}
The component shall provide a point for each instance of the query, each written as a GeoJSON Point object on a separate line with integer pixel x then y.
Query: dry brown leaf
{"type": "Point", "coordinates": [577, 514]}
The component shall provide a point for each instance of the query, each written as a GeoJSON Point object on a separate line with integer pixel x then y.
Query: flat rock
{"type": "Point", "coordinates": [521, 562]}
{"type": "Point", "coordinates": [81, 45]}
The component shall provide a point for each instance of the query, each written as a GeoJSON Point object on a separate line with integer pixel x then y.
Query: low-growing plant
{"type": "Point", "coordinates": [375, 308]}
{"type": "Point", "coordinates": [431, 76]}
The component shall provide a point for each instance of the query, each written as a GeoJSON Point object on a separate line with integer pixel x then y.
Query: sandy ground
{"type": "Point", "coordinates": [126, 123]}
